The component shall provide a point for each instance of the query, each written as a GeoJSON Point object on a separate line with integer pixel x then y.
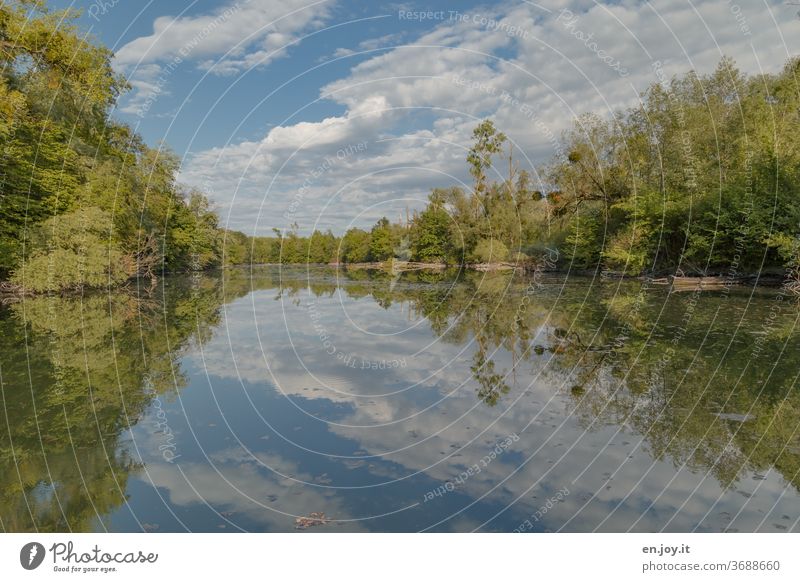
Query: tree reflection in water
{"type": "Point", "coordinates": [78, 372]}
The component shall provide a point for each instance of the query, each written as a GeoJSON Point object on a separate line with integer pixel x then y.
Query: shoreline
{"type": "Point", "coordinates": [11, 292]}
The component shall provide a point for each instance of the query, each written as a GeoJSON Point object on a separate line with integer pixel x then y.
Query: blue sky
{"type": "Point", "coordinates": [333, 113]}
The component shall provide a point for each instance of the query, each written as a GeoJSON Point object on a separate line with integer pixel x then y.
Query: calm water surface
{"type": "Point", "coordinates": [427, 401]}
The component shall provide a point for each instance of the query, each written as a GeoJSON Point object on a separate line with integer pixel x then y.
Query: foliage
{"type": "Point", "coordinates": [489, 250]}
{"type": "Point", "coordinates": [322, 247]}
{"type": "Point", "coordinates": [78, 253]}
{"type": "Point", "coordinates": [355, 247]}
{"type": "Point", "coordinates": [430, 235]}
{"type": "Point", "coordinates": [381, 244]}
{"type": "Point", "coordinates": [83, 201]}
{"type": "Point", "coordinates": [699, 177]}
{"type": "Point", "coordinates": [55, 90]}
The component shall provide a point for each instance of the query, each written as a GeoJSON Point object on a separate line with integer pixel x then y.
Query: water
{"type": "Point", "coordinates": [427, 401]}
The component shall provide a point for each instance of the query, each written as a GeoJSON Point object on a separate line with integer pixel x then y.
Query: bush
{"type": "Point", "coordinates": [626, 251]}
{"type": "Point", "coordinates": [489, 250]}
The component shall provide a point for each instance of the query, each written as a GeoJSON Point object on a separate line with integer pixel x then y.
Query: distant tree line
{"type": "Point", "coordinates": [702, 177]}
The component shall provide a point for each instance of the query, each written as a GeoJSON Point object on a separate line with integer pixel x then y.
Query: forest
{"type": "Point", "coordinates": [700, 178]}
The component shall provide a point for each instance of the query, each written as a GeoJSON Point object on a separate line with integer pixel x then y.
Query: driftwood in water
{"type": "Point", "coordinates": [692, 283]}
{"type": "Point", "coordinates": [486, 267]}
{"type": "Point", "coordinates": [681, 283]}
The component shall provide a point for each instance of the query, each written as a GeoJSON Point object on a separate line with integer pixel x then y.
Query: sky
{"type": "Point", "coordinates": [329, 114]}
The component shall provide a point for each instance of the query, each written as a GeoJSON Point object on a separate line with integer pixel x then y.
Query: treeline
{"type": "Point", "coordinates": [83, 201]}
{"type": "Point", "coordinates": [382, 242]}
{"type": "Point", "coordinates": [702, 178]}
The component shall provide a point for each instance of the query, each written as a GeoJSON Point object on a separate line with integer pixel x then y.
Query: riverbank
{"type": "Point", "coordinates": [11, 292]}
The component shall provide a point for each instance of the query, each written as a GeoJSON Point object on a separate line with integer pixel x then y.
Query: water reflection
{"type": "Point", "coordinates": [246, 400]}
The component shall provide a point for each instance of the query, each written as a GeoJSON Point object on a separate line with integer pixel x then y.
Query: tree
{"type": "Point", "coordinates": [64, 161]}
{"type": "Point", "coordinates": [236, 248]}
{"type": "Point", "coordinates": [489, 250]}
{"type": "Point", "coordinates": [194, 234]}
{"type": "Point", "coordinates": [55, 91]}
{"type": "Point", "coordinates": [321, 247]}
{"type": "Point", "coordinates": [355, 246]}
{"type": "Point", "coordinates": [430, 234]}
{"type": "Point", "coordinates": [263, 249]}
{"type": "Point", "coordinates": [488, 142]}
{"type": "Point", "coordinates": [381, 245]}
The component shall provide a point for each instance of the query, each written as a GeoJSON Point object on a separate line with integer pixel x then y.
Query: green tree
{"type": "Point", "coordinates": [431, 240]}
{"type": "Point", "coordinates": [322, 247]}
{"type": "Point", "coordinates": [355, 246]}
{"type": "Point", "coordinates": [381, 244]}
{"type": "Point", "coordinates": [55, 91]}
{"type": "Point", "coordinates": [488, 142]}
{"type": "Point", "coordinates": [489, 250]}
{"type": "Point", "coordinates": [194, 233]}
{"type": "Point", "coordinates": [236, 248]}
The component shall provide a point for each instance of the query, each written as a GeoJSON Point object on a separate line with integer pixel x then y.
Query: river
{"type": "Point", "coordinates": [284, 399]}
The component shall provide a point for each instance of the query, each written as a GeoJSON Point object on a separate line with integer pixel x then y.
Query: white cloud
{"type": "Point", "coordinates": [231, 30]}
{"type": "Point", "coordinates": [425, 421]}
{"type": "Point", "coordinates": [423, 99]}
{"type": "Point", "coordinates": [234, 38]}
{"type": "Point", "coordinates": [146, 89]}
{"type": "Point", "coordinates": [371, 44]}
{"type": "Point", "coordinates": [252, 487]}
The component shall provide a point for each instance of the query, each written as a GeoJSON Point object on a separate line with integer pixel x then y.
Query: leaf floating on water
{"type": "Point", "coordinates": [313, 519]}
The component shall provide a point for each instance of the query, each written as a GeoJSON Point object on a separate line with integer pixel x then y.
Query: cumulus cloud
{"type": "Point", "coordinates": [530, 68]}
{"type": "Point", "coordinates": [146, 89]}
{"type": "Point", "coordinates": [234, 38]}
{"type": "Point", "coordinates": [231, 31]}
